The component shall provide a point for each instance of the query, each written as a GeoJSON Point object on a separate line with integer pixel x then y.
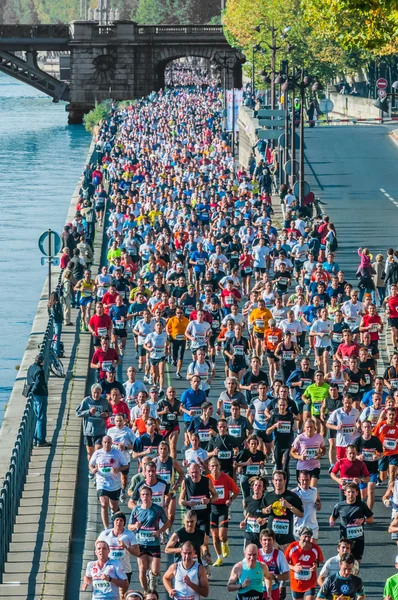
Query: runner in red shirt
{"type": "Point", "coordinates": [109, 299]}
{"type": "Point", "coordinates": [303, 557]}
{"type": "Point", "coordinates": [100, 324]}
{"type": "Point", "coordinates": [118, 406]}
{"type": "Point", "coordinates": [387, 432]}
{"type": "Point", "coordinates": [350, 469]}
{"type": "Point", "coordinates": [347, 349]}
{"type": "Point", "coordinates": [104, 357]}
{"type": "Point", "coordinates": [372, 323]}
{"type": "Point", "coordinates": [230, 296]}
{"type": "Point", "coordinates": [227, 491]}
{"type": "Point", "coordinates": [392, 311]}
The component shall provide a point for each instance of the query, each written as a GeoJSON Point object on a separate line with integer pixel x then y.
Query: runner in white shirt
{"type": "Point", "coordinates": [204, 368]}
{"type": "Point", "coordinates": [290, 324]}
{"type": "Point", "coordinates": [195, 454]}
{"type": "Point", "coordinates": [106, 464]}
{"type": "Point", "coordinates": [106, 576]}
{"type": "Point", "coordinates": [122, 439]}
{"type": "Point", "coordinates": [260, 253]}
{"type": "Point", "coordinates": [344, 420]}
{"type": "Point", "coordinates": [321, 331]}
{"type": "Point", "coordinates": [299, 253]}
{"type": "Point", "coordinates": [353, 311]}
{"type": "Point", "coordinates": [311, 503]}
{"type": "Point", "coordinates": [186, 579]}
{"type": "Point", "coordinates": [142, 329]}
{"type": "Point", "coordinates": [155, 344]}
{"type": "Point", "coordinates": [122, 543]}
{"type": "Point", "coordinates": [198, 332]}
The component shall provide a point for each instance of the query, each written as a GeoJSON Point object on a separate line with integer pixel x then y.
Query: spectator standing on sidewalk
{"type": "Point", "coordinates": [36, 380]}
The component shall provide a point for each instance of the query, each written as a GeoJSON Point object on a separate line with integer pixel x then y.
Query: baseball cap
{"type": "Point", "coordinates": [153, 389]}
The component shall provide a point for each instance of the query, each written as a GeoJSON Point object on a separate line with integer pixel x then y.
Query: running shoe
{"type": "Point", "coordinates": [225, 550]}
{"type": "Point", "coordinates": [208, 571]}
{"type": "Point", "coordinates": [152, 581]}
{"type": "Point", "coordinates": [123, 496]}
{"type": "Point", "coordinates": [218, 563]}
{"type": "Point", "coordinates": [178, 375]}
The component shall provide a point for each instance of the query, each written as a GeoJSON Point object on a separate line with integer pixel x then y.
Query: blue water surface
{"type": "Point", "coordinates": [41, 159]}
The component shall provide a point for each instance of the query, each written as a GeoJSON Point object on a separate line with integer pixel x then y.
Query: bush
{"type": "Point", "coordinates": [97, 114]}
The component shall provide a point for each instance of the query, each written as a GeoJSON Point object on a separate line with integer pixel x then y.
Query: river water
{"type": "Point", "coordinates": [41, 159]}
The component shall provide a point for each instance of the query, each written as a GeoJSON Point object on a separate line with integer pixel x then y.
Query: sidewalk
{"type": "Point", "coordinates": [39, 553]}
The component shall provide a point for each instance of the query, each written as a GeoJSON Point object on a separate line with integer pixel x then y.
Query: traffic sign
{"type": "Point", "coordinates": [50, 243]}
{"type": "Point", "coordinates": [268, 134]}
{"type": "Point", "coordinates": [381, 93]}
{"type": "Point", "coordinates": [382, 83]}
{"type": "Point", "coordinates": [275, 112]}
{"type": "Point", "coordinates": [326, 106]}
{"type": "Point", "coordinates": [46, 259]}
{"type": "Point", "coordinates": [282, 140]}
{"type": "Point", "coordinates": [296, 189]}
{"type": "Point", "coordinates": [271, 122]}
{"type": "Point", "coordinates": [291, 167]}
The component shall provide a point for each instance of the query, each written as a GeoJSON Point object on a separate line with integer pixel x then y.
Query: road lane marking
{"type": "Point", "coordinates": [387, 195]}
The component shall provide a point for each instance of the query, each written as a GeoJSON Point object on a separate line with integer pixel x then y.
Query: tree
{"type": "Point", "coordinates": [163, 12]}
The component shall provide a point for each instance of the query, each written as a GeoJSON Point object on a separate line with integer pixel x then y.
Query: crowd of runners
{"type": "Point", "coordinates": [206, 279]}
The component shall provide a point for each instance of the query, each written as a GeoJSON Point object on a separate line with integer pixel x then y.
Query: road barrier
{"type": "Point", "coordinates": [15, 477]}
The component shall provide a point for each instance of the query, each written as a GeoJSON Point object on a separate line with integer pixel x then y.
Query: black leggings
{"type": "Point", "coordinates": [178, 349]}
{"type": "Point", "coordinates": [282, 460]}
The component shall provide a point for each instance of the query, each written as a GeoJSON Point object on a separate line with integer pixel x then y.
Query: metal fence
{"type": "Point", "coordinates": [15, 477]}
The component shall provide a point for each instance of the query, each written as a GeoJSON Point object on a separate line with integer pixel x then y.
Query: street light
{"type": "Point", "coordinates": [255, 48]}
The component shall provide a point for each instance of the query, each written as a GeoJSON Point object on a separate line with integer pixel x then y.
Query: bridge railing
{"type": "Point", "coordinates": [205, 30]}
{"type": "Point", "coordinates": [34, 31]}
{"type": "Point", "coordinates": [14, 480]}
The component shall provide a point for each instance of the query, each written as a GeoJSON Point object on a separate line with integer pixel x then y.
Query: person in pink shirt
{"type": "Point", "coordinates": [308, 448]}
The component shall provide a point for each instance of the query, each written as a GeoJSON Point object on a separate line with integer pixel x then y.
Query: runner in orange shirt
{"type": "Point", "coordinates": [303, 558]}
{"type": "Point", "coordinates": [387, 432]}
{"type": "Point", "coordinates": [227, 491]}
{"type": "Point", "coordinates": [272, 337]}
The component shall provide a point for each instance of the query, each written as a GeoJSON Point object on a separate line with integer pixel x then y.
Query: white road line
{"type": "Point", "coordinates": [387, 195]}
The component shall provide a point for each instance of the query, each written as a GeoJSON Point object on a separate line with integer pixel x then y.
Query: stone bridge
{"type": "Point", "coordinates": [121, 61]}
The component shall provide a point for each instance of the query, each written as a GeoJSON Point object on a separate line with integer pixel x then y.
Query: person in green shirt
{"type": "Point", "coordinates": [391, 586]}
{"type": "Point", "coordinates": [313, 397]}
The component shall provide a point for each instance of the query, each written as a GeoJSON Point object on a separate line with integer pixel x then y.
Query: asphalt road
{"type": "Point", "coordinates": [347, 166]}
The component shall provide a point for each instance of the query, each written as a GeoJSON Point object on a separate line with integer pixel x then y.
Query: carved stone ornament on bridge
{"type": "Point", "coordinates": [105, 65]}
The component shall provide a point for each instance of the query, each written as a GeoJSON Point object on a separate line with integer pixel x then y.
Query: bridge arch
{"type": "Point", "coordinates": [167, 55]}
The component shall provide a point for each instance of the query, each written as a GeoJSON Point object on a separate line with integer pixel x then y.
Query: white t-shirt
{"type": "Point", "coordinates": [158, 342]}
{"type": "Point", "coordinates": [144, 329]}
{"type": "Point", "coordinates": [309, 519]}
{"type": "Point", "coordinates": [320, 326]}
{"type": "Point", "coordinates": [106, 461]}
{"type": "Point", "coordinates": [350, 432]}
{"type": "Point", "coordinates": [102, 589]}
{"type": "Point", "coordinates": [193, 455]}
{"type": "Point", "coordinates": [122, 437]}
{"type": "Point", "coordinates": [295, 328]}
{"type": "Point", "coordinates": [118, 553]}
{"type": "Point", "coordinates": [260, 254]}
{"type": "Point", "coordinates": [203, 370]}
{"type": "Point", "coordinates": [198, 332]}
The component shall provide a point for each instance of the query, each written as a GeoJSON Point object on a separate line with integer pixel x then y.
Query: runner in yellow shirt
{"type": "Point", "coordinates": [259, 318]}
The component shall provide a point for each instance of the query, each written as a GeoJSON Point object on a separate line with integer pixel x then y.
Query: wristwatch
{"type": "Point", "coordinates": [109, 578]}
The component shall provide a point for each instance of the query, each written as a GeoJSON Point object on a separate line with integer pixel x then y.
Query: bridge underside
{"type": "Point", "coordinates": [29, 72]}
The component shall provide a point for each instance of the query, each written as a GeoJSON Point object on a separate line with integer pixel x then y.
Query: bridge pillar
{"type": "Point", "coordinates": [102, 65]}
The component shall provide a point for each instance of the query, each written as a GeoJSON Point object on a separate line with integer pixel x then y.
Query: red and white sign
{"type": "Point", "coordinates": [382, 83]}
{"type": "Point", "coordinates": [381, 93]}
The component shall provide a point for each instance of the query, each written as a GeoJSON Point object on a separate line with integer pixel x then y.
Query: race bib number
{"type": "Point", "coordinates": [171, 417]}
{"type": "Point", "coordinates": [348, 430]}
{"type": "Point", "coordinates": [180, 337]}
{"type": "Point", "coordinates": [159, 352]}
{"type": "Point", "coordinates": [305, 383]}
{"type": "Point", "coordinates": [102, 331]}
{"type": "Point", "coordinates": [280, 526]}
{"type": "Point", "coordinates": [106, 365]}
{"type": "Point", "coordinates": [100, 585]}
{"type": "Point", "coordinates": [288, 355]}
{"type": "Point", "coordinates": [198, 502]}
{"type": "Point", "coordinates": [220, 491]}
{"type": "Point", "coordinates": [390, 444]}
{"type": "Point", "coordinates": [303, 575]}
{"type": "Point", "coordinates": [224, 454]}
{"type": "Point", "coordinates": [248, 270]}
{"type": "Point", "coordinates": [196, 412]}
{"type": "Point", "coordinates": [145, 536]}
{"type": "Point", "coordinates": [353, 388]}
{"type": "Point", "coordinates": [283, 281]}
{"type": "Point", "coordinates": [157, 498]}
{"type": "Point", "coordinates": [204, 435]}
{"type": "Point", "coordinates": [252, 526]}
{"type": "Point", "coordinates": [105, 470]}
{"type": "Point", "coordinates": [374, 327]}
{"type": "Point", "coordinates": [117, 553]}
{"type": "Point", "coordinates": [273, 339]}
{"type": "Point", "coordinates": [284, 427]}
{"type": "Point", "coordinates": [86, 292]}
{"type": "Point", "coordinates": [354, 531]}
{"type": "Point", "coordinates": [238, 351]}
{"type": "Point", "coordinates": [165, 475]}
{"type": "Point", "coordinates": [316, 407]}
{"type": "Point", "coordinates": [337, 337]}
{"type": "Point", "coordinates": [311, 453]}
{"type": "Point", "coordinates": [235, 430]}
{"type": "Point", "coordinates": [119, 324]}
{"type": "Point", "coordinates": [259, 323]}
{"type": "Point", "coordinates": [394, 383]}
{"type": "Point", "coordinates": [369, 455]}
{"type": "Point", "coordinates": [252, 469]}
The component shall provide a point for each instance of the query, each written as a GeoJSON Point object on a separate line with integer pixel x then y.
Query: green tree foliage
{"type": "Point", "coordinates": [174, 12]}
{"type": "Point", "coordinates": [97, 114]}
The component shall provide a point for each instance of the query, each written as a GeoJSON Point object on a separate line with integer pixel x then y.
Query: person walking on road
{"type": "Point", "coordinates": [37, 385]}
{"type": "Point", "coordinates": [189, 576]}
